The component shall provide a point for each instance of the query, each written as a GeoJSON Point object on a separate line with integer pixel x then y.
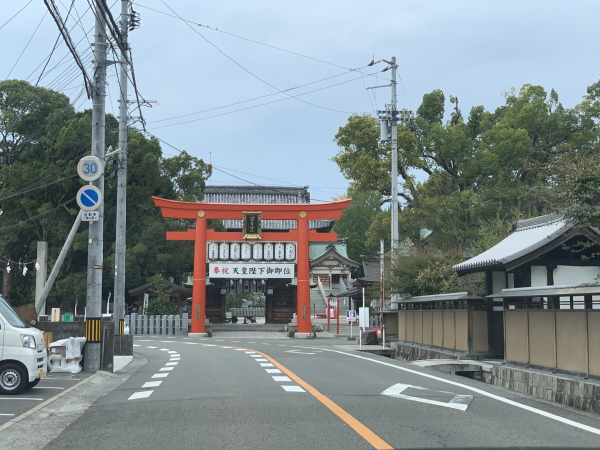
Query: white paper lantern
{"type": "Point", "coordinates": [290, 251]}
{"type": "Point", "coordinates": [268, 252]}
{"type": "Point", "coordinates": [257, 251]}
{"type": "Point", "coordinates": [213, 251]}
{"type": "Point", "coordinates": [279, 251]}
{"type": "Point", "coordinates": [246, 251]}
{"type": "Point", "coordinates": [234, 251]}
{"type": "Point", "coordinates": [224, 251]}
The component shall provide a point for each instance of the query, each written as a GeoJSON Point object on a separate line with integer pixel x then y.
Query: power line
{"type": "Point", "coordinates": [256, 106]}
{"type": "Point", "coordinates": [262, 96]}
{"type": "Point", "coordinates": [35, 217]}
{"type": "Point", "coordinates": [247, 70]}
{"type": "Point", "coordinates": [17, 13]}
{"type": "Point", "coordinates": [27, 45]}
{"type": "Point", "coordinates": [245, 39]}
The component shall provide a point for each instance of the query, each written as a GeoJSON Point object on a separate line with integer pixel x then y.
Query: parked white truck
{"type": "Point", "coordinates": [23, 355]}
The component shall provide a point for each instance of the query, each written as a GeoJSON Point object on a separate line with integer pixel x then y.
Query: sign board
{"type": "Point", "coordinates": [351, 315]}
{"type": "Point", "coordinates": [90, 216]}
{"type": "Point", "coordinates": [90, 168]}
{"type": "Point", "coordinates": [89, 198]}
{"type": "Point", "coordinates": [363, 316]}
{"type": "Point", "coordinates": [145, 305]}
{"type": "Point", "coordinates": [250, 271]}
{"type": "Point", "coordinates": [251, 225]}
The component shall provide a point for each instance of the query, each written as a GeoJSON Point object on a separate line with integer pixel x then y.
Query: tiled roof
{"type": "Point", "coordinates": [266, 195]}
{"type": "Point", "coordinates": [526, 237]}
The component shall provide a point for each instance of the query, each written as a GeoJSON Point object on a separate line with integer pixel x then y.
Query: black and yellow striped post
{"type": "Point", "coordinates": [92, 329]}
{"type": "Point", "coordinates": [121, 326]}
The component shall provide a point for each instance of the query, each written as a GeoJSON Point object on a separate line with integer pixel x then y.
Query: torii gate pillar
{"type": "Point", "coordinates": [301, 212]}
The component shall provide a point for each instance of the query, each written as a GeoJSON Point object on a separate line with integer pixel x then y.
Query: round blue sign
{"type": "Point", "coordinates": [89, 198]}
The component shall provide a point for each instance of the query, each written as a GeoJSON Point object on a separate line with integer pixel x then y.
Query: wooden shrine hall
{"type": "Point", "coordinates": [265, 247]}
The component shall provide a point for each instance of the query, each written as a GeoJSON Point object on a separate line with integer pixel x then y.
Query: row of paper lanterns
{"type": "Point", "coordinates": [236, 251]}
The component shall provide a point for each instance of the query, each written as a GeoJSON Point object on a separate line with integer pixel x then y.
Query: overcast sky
{"type": "Point", "coordinates": [474, 50]}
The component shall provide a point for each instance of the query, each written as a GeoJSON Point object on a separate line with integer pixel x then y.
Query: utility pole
{"type": "Point", "coordinates": [121, 241]}
{"type": "Point", "coordinates": [393, 115]}
{"type": "Point", "coordinates": [95, 242]}
{"type": "Point", "coordinates": [389, 118]}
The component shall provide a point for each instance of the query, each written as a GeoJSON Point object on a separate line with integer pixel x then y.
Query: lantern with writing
{"type": "Point", "coordinates": [246, 251]}
{"type": "Point", "coordinates": [290, 251]}
{"type": "Point", "coordinates": [257, 252]}
{"type": "Point", "coordinates": [234, 251]}
{"type": "Point", "coordinates": [279, 251]}
{"type": "Point", "coordinates": [223, 251]}
{"type": "Point", "coordinates": [268, 252]}
{"type": "Point", "coordinates": [213, 251]}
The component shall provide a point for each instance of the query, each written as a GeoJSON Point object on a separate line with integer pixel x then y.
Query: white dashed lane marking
{"type": "Point", "coordinates": [150, 384]}
{"type": "Point", "coordinates": [159, 375]}
{"type": "Point", "coordinates": [293, 388]}
{"type": "Point", "coordinates": [281, 378]}
{"type": "Point", "coordinates": [141, 394]}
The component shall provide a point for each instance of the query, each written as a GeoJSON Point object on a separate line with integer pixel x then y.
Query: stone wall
{"type": "Point", "coordinates": [572, 391]}
{"type": "Point", "coordinates": [413, 352]}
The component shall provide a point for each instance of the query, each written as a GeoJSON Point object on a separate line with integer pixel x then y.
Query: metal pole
{"type": "Point", "coordinates": [381, 280]}
{"type": "Point", "coordinates": [95, 243]}
{"type": "Point", "coordinates": [337, 326]}
{"type": "Point", "coordinates": [121, 241]}
{"type": "Point", "coordinates": [328, 314]}
{"type": "Point", "coordinates": [61, 257]}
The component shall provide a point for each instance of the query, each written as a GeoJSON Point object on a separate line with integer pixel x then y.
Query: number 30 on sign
{"type": "Point", "coordinates": [90, 168]}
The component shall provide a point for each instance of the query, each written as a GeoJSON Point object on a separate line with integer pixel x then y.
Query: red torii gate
{"type": "Point", "coordinates": [201, 212]}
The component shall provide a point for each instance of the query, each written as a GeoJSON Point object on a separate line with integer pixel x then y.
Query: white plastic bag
{"type": "Point", "coordinates": [70, 362]}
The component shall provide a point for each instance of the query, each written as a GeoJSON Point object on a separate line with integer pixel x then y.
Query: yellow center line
{"type": "Point", "coordinates": [354, 423]}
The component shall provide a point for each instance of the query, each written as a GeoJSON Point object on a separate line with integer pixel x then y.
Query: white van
{"type": "Point", "coordinates": [23, 355]}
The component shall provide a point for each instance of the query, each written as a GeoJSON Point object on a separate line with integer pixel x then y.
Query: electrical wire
{"type": "Point", "coordinates": [247, 70]}
{"type": "Point", "coordinates": [35, 217]}
{"type": "Point", "coordinates": [17, 13]}
{"type": "Point", "coordinates": [27, 45]}
{"type": "Point", "coordinates": [402, 84]}
{"type": "Point", "coordinates": [256, 106]}
{"type": "Point", "coordinates": [244, 38]}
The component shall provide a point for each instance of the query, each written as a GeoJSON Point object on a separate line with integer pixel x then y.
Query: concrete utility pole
{"type": "Point", "coordinates": [121, 240]}
{"type": "Point", "coordinates": [393, 114]}
{"type": "Point", "coordinates": [40, 275]}
{"type": "Point", "coordinates": [95, 243]}
{"type": "Point", "coordinates": [40, 303]}
{"type": "Point", "coordinates": [389, 118]}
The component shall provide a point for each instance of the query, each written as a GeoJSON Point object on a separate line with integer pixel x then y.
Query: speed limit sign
{"type": "Point", "coordinates": [90, 168]}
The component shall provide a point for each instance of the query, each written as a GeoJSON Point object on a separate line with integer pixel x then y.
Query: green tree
{"type": "Point", "coordinates": [161, 303]}
{"type": "Point", "coordinates": [491, 166]}
{"type": "Point", "coordinates": [355, 223]}
{"type": "Point", "coordinates": [38, 183]}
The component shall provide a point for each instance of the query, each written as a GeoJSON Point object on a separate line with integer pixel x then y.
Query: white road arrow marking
{"type": "Point", "coordinates": [460, 402]}
{"type": "Point", "coordinates": [300, 352]}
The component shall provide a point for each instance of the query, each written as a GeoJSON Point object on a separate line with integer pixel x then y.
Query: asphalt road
{"type": "Point", "coordinates": [291, 394]}
{"type": "Point", "coordinates": [53, 385]}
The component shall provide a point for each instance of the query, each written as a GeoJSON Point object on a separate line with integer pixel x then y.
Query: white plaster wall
{"type": "Point", "coordinates": [539, 276]}
{"type": "Point", "coordinates": [574, 275]}
{"type": "Point", "coordinates": [498, 281]}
